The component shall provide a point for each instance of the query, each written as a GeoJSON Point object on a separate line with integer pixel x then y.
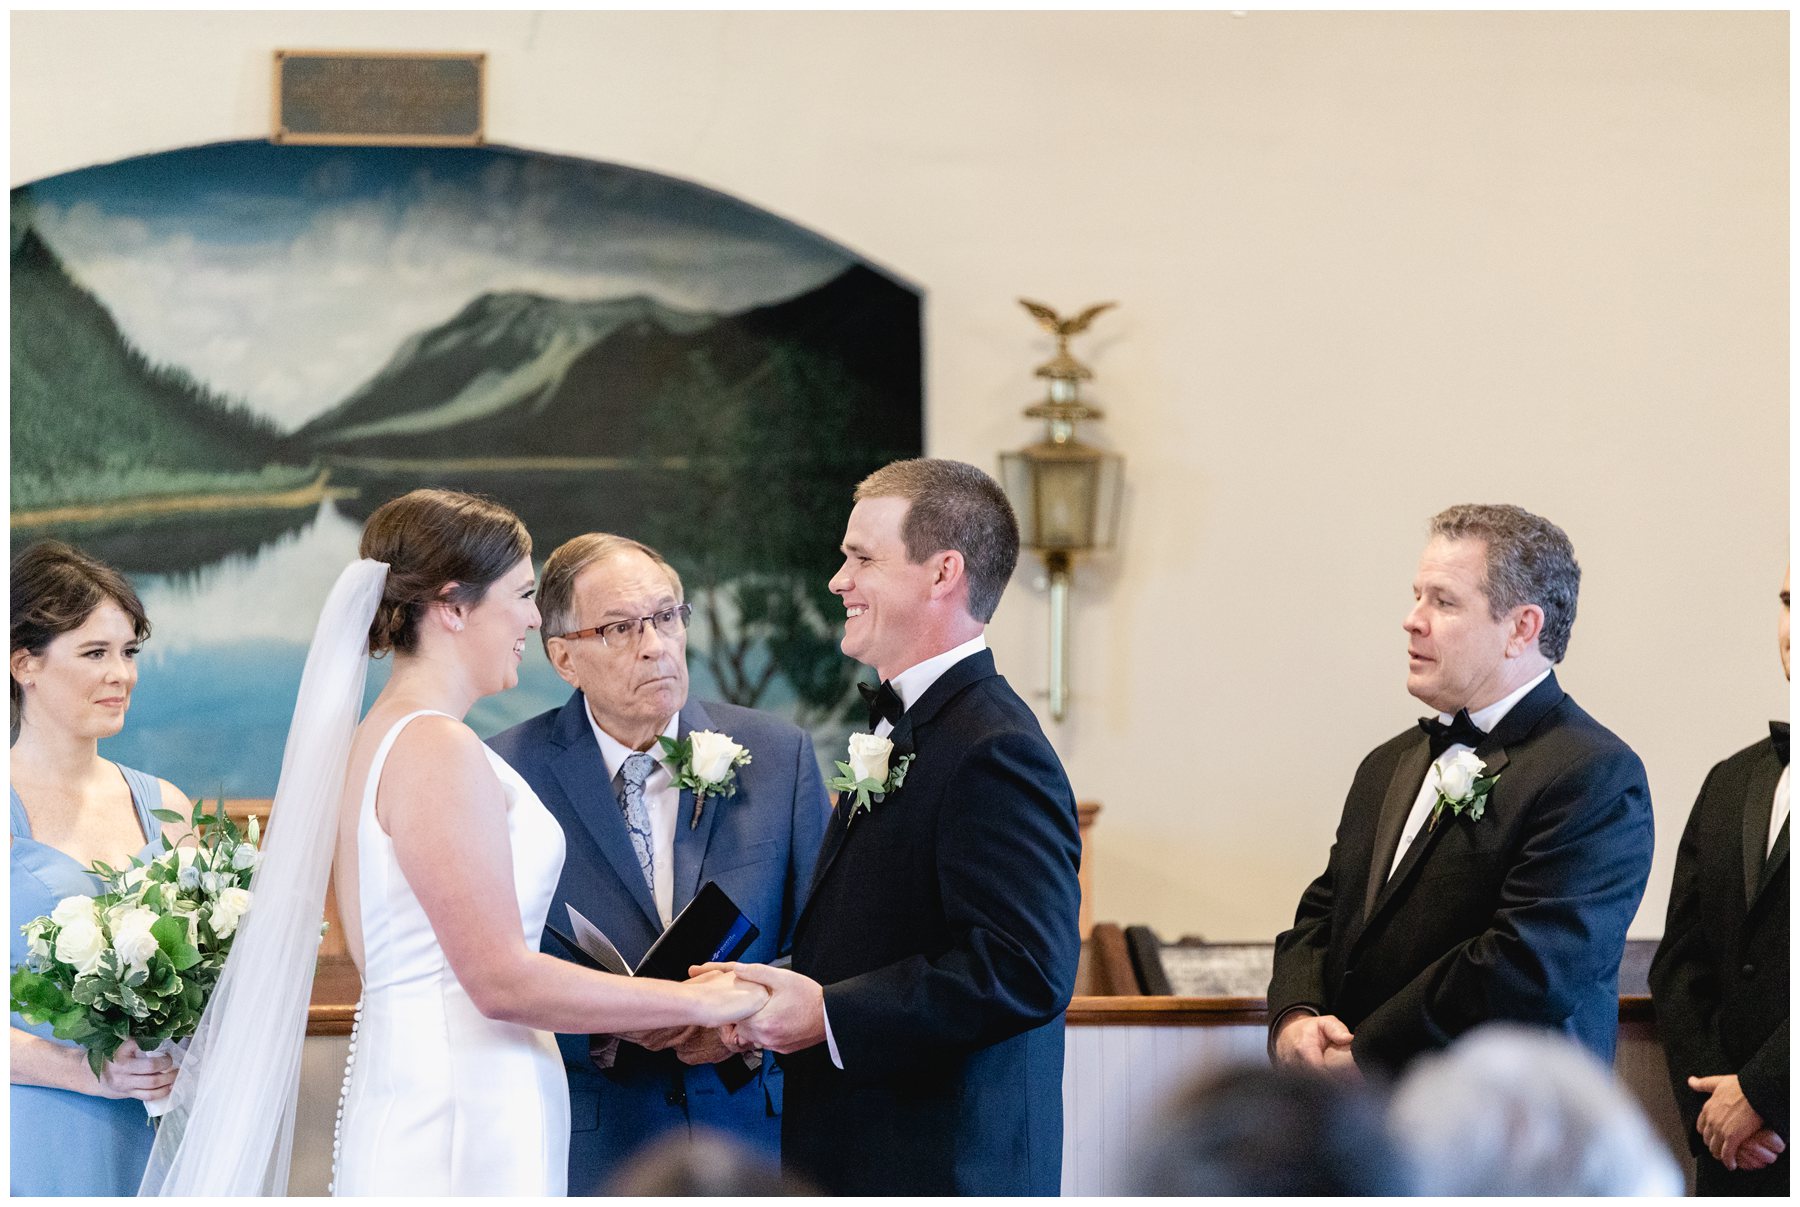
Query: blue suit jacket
{"type": "Point", "coordinates": [759, 843]}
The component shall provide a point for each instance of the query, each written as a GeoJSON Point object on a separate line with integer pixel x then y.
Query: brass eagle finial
{"type": "Point", "coordinates": [1062, 365]}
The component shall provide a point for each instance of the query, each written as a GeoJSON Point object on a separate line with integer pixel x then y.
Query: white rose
{"type": "Point", "coordinates": [245, 857]}
{"type": "Point", "coordinates": [713, 755]}
{"type": "Point", "coordinates": [231, 906]}
{"type": "Point", "coordinates": [132, 938]}
{"type": "Point", "coordinates": [1458, 773]}
{"type": "Point", "coordinates": [80, 945]}
{"type": "Point", "coordinates": [253, 832]}
{"type": "Point", "coordinates": [211, 883]}
{"type": "Point", "coordinates": [134, 877]}
{"type": "Point", "coordinates": [37, 945]}
{"type": "Point", "coordinates": [869, 757]}
{"type": "Point", "coordinates": [73, 909]}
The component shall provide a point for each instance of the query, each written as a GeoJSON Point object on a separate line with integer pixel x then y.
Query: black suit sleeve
{"type": "Point", "coordinates": [1298, 981]}
{"type": "Point", "coordinates": [1684, 979]}
{"type": "Point", "coordinates": [1007, 852]}
{"type": "Point", "coordinates": [1560, 926]}
{"type": "Point", "coordinates": [1764, 1081]}
{"type": "Point", "coordinates": [811, 810]}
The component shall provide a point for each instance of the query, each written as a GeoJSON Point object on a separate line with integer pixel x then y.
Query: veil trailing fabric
{"type": "Point", "coordinates": [230, 1125]}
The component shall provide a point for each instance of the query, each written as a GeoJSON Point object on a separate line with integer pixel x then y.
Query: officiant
{"type": "Point", "coordinates": [611, 765]}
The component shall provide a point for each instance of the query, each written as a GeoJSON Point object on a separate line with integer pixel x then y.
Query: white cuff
{"type": "Point", "coordinates": [830, 1043]}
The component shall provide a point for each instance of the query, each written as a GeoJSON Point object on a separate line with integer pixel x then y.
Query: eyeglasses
{"type": "Point", "coordinates": [670, 622]}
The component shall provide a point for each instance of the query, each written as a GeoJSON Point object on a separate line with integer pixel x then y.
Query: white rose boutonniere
{"type": "Point", "coordinates": [1461, 787]}
{"type": "Point", "coordinates": [868, 777]}
{"type": "Point", "coordinates": [706, 762]}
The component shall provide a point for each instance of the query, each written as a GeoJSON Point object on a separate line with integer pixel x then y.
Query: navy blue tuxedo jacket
{"type": "Point", "coordinates": [943, 926]}
{"type": "Point", "coordinates": [1518, 916]}
{"type": "Point", "coordinates": [1720, 977]}
{"type": "Point", "coordinates": [760, 843]}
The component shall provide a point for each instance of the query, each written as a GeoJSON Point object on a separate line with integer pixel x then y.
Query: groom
{"type": "Point", "coordinates": [937, 950]}
{"type": "Point", "coordinates": [615, 628]}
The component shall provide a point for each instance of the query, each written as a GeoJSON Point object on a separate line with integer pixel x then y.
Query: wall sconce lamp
{"type": "Point", "coordinates": [1066, 493]}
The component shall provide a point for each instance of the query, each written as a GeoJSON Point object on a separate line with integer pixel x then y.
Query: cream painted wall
{"type": "Point", "coordinates": [1369, 265]}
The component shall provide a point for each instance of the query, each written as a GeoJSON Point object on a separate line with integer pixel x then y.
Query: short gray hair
{"type": "Point", "coordinates": [1514, 1110]}
{"type": "Point", "coordinates": [1529, 561]}
{"type": "Point", "coordinates": [556, 589]}
{"type": "Point", "coordinates": [953, 506]}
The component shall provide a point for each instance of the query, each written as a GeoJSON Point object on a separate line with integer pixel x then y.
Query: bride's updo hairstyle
{"type": "Point", "coordinates": [431, 539]}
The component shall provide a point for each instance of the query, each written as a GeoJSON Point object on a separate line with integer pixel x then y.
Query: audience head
{"type": "Point", "coordinates": [929, 548]}
{"type": "Point", "coordinates": [633, 674]}
{"type": "Point", "coordinates": [1511, 1110]}
{"type": "Point", "coordinates": [1272, 1131]}
{"type": "Point", "coordinates": [441, 547]}
{"type": "Point", "coordinates": [709, 1164]}
{"type": "Point", "coordinates": [76, 628]}
{"type": "Point", "coordinates": [1494, 605]}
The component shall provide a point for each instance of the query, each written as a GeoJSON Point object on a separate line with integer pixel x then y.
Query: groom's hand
{"type": "Point", "coordinates": [794, 1017]}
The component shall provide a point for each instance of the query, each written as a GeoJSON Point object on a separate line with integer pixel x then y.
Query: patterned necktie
{"type": "Point", "coordinates": [632, 777]}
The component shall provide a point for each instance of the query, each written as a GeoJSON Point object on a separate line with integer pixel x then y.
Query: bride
{"type": "Point", "coordinates": [445, 862]}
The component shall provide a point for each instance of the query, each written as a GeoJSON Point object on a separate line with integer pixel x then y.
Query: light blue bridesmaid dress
{"type": "Point", "coordinates": [64, 1143]}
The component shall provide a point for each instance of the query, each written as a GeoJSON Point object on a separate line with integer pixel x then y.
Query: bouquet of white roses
{"type": "Point", "coordinates": [140, 960]}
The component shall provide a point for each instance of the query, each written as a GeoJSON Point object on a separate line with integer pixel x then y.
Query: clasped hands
{"type": "Point", "coordinates": [1317, 1041]}
{"type": "Point", "coordinates": [793, 1018]}
{"type": "Point", "coordinates": [1733, 1131]}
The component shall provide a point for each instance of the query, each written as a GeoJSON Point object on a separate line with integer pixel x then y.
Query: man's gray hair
{"type": "Point", "coordinates": [1529, 561]}
{"type": "Point", "coordinates": [556, 589]}
{"type": "Point", "coordinates": [1514, 1110]}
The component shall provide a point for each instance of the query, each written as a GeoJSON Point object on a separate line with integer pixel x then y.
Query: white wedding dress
{"type": "Point", "coordinates": [438, 1099]}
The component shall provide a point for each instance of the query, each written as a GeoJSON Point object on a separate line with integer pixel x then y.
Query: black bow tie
{"type": "Point", "coordinates": [883, 701]}
{"type": "Point", "coordinates": [1461, 731]}
{"type": "Point", "coordinates": [1778, 733]}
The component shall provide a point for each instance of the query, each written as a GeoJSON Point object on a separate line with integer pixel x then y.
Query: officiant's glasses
{"type": "Point", "coordinates": [622, 634]}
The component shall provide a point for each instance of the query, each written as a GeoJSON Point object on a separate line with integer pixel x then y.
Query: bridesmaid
{"type": "Point", "coordinates": [76, 629]}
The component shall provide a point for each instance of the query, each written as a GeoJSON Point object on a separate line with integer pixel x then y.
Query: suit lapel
{"type": "Point", "coordinates": [691, 844]}
{"type": "Point", "coordinates": [1402, 791]}
{"type": "Point", "coordinates": [1776, 865]}
{"type": "Point", "coordinates": [1759, 802]}
{"type": "Point", "coordinates": [1513, 728]}
{"type": "Point", "coordinates": [582, 774]}
{"type": "Point", "coordinates": [949, 685]}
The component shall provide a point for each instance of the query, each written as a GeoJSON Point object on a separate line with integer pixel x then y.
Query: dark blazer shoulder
{"type": "Point", "coordinates": [750, 726]}
{"type": "Point", "coordinates": [1744, 761]}
{"type": "Point", "coordinates": [525, 737]}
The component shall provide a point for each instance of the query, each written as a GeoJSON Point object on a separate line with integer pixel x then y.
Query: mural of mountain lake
{"type": "Point", "coordinates": [224, 358]}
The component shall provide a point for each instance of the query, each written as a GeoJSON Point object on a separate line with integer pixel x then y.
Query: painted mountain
{"type": "Point", "coordinates": [93, 418]}
{"type": "Point", "coordinates": [524, 376]}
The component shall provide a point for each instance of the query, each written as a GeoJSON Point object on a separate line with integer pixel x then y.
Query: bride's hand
{"type": "Point", "coordinates": [723, 997]}
{"type": "Point", "coordinates": [133, 1073]}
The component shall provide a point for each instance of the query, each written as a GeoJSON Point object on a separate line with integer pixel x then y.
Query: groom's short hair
{"type": "Point", "coordinates": [953, 506]}
{"type": "Point", "coordinates": [556, 588]}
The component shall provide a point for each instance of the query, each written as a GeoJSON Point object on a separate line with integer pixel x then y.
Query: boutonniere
{"type": "Point", "coordinates": [705, 761]}
{"type": "Point", "coordinates": [1461, 787]}
{"type": "Point", "coordinates": [868, 774]}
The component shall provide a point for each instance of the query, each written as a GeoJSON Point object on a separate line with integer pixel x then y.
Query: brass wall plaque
{"type": "Point", "coordinates": [379, 98]}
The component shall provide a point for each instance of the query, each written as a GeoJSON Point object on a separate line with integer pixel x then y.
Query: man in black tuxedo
{"type": "Point", "coordinates": [1488, 862]}
{"type": "Point", "coordinates": [937, 949]}
{"type": "Point", "coordinates": [1720, 976]}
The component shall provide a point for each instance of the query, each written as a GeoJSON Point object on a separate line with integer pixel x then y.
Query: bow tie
{"type": "Point", "coordinates": [1778, 733]}
{"type": "Point", "coordinates": [1460, 732]}
{"type": "Point", "coordinates": [883, 701]}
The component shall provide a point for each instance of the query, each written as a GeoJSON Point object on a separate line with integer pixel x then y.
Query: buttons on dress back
{"type": "Point", "coordinates": [337, 1128]}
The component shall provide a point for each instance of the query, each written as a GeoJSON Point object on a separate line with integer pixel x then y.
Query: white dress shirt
{"type": "Point", "coordinates": [661, 798]}
{"type": "Point", "coordinates": [1485, 720]}
{"type": "Point", "coordinates": [909, 685]}
{"type": "Point", "coordinates": [1779, 814]}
